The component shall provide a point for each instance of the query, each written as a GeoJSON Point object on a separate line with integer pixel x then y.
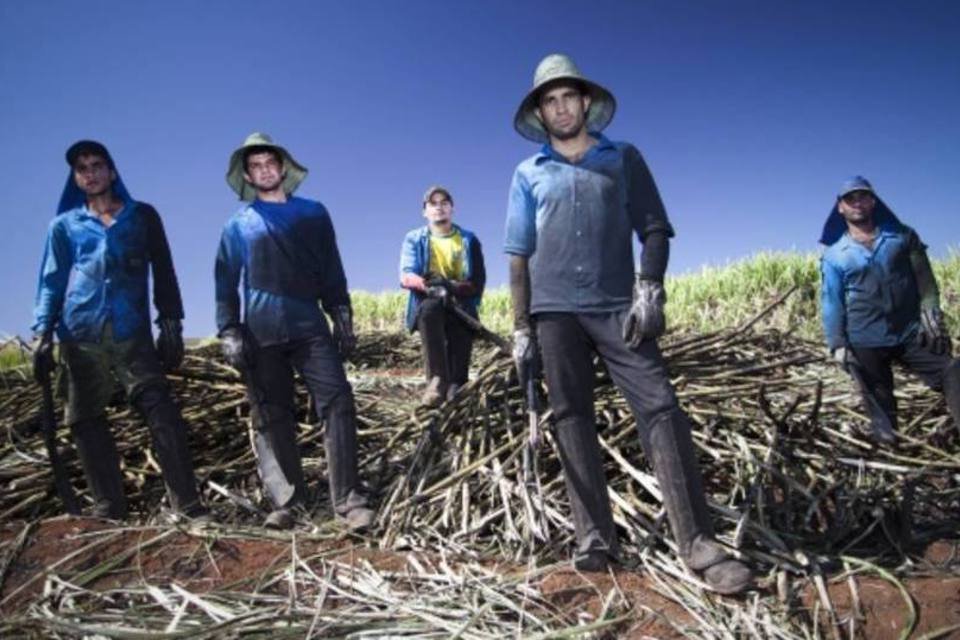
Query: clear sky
{"type": "Point", "coordinates": [749, 113]}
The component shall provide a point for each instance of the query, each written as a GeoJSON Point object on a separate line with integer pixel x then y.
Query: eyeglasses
{"type": "Point", "coordinates": [854, 196]}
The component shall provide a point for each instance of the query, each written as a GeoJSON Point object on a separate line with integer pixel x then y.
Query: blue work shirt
{"type": "Point", "coordinates": [869, 296]}
{"type": "Point", "coordinates": [415, 258]}
{"type": "Point", "coordinates": [574, 221]}
{"type": "Point", "coordinates": [92, 274]}
{"type": "Point", "coordinates": [287, 256]}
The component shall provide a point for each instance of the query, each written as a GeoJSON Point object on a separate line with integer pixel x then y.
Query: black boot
{"type": "Point", "coordinates": [169, 435]}
{"type": "Point", "coordinates": [101, 466]}
{"type": "Point", "coordinates": [670, 447]}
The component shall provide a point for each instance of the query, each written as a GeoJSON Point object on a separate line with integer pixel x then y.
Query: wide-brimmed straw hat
{"type": "Point", "coordinates": [560, 67]}
{"type": "Point", "coordinates": [294, 172]}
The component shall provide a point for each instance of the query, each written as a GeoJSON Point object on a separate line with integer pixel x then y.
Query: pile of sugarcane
{"type": "Point", "coordinates": [793, 482]}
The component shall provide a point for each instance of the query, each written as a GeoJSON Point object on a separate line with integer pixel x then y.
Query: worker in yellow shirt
{"type": "Point", "coordinates": [443, 252]}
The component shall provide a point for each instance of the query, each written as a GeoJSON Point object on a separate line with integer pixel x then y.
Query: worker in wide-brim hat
{"type": "Point", "coordinates": [572, 211]}
{"type": "Point", "coordinates": [283, 249]}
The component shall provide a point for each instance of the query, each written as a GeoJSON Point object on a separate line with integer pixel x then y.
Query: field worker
{"type": "Point", "coordinates": [443, 252]}
{"type": "Point", "coordinates": [284, 249]}
{"type": "Point", "coordinates": [571, 210]}
{"type": "Point", "coordinates": [93, 292]}
{"type": "Point", "coordinates": [880, 304]}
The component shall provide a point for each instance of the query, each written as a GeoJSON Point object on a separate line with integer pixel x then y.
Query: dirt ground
{"type": "Point", "coordinates": [203, 563]}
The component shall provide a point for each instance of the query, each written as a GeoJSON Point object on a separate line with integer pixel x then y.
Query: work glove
{"type": "Point", "coordinates": [43, 362]}
{"type": "Point", "coordinates": [170, 343]}
{"type": "Point", "coordinates": [236, 347]}
{"type": "Point", "coordinates": [526, 356]}
{"type": "Point", "coordinates": [845, 357]}
{"type": "Point", "coordinates": [645, 320]}
{"type": "Point", "coordinates": [343, 331]}
{"type": "Point", "coordinates": [933, 332]}
{"type": "Point", "coordinates": [462, 288]}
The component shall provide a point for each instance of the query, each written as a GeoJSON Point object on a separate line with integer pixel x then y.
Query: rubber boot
{"type": "Point", "coordinates": [168, 432]}
{"type": "Point", "coordinates": [669, 446]}
{"type": "Point", "coordinates": [340, 443]}
{"type": "Point", "coordinates": [951, 391]}
{"type": "Point", "coordinates": [101, 466]}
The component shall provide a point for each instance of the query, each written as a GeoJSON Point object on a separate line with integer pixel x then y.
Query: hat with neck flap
{"type": "Point", "coordinates": [558, 66]}
{"type": "Point", "coordinates": [73, 196]}
{"type": "Point", "coordinates": [293, 171]}
{"type": "Point", "coordinates": [836, 225]}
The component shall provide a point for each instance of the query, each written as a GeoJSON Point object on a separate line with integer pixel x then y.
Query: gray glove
{"type": "Point", "coordinates": [170, 343]}
{"type": "Point", "coordinates": [43, 362]}
{"type": "Point", "coordinates": [645, 320]}
{"type": "Point", "coordinates": [236, 347]}
{"type": "Point", "coordinates": [845, 357]}
{"type": "Point", "coordinates": [526, 355]}
{"type": "Point", "coordinates": [933, 332]}
{"type": "Point", "coordinates": [343, 331]}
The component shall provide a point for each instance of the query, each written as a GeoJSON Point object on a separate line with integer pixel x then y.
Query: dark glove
{"type": "Point", "coordinates": [43, 362]}
{"type": "Point", "coordinates": [343, 331]}
{"type": "Point", "coordinates": [933, 332]}
{"type": "Point", "coordinates": [462, 288]}
{"type": "Point", "coordinates": [645, 320]}
{"type": "Point", "coordinates": [438, 292]}
{"type": "Point", "coordinates": [236, 347]}
{"type": "Point", "coordinates": [170, 343]}
{"type": "Point", "coordinates": [526, 356]}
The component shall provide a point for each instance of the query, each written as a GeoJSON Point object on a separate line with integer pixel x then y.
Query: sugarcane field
{"type": "Point", "coordinates": [472, 538]}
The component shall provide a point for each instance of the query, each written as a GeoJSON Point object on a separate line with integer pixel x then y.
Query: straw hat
{"type": "Point", "coordinates": [293, 171]}
{"type": "Point", "coordinates": [560, 67]}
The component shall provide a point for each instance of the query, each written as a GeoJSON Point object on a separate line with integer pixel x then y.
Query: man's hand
{"type": "Point", "coordinates": [933, 332]}
{"type": "Point", "coordinates": [645, 320]}
{"type": "Point", "coordinates": [414, 282]}
{"type": "Point", "coordinates": [170, 343]}
{"type": "Point", "coordinates": [43, 362]}
{"type": "Point", "coordinates": [462, 288]}
{"type": "Point", "coordinates": [343, 331]}
{"type": "Point", "coordinates": [526, 355]}
{"type": "Point", "coordinates": [236, 347]}
{"type": "Point", "coordinates": [845, 357]}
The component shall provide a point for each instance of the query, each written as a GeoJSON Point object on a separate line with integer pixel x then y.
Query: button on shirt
{"type": "Point", "coordinates": [869, 296]}
{"type": "Point", "coordinates": [575, 222]}
{"type": "Point", "coordinates": [287, 256]}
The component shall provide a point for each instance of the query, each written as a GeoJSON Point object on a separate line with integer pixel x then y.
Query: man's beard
{"type": "Point", "coordinates": [569, 134]}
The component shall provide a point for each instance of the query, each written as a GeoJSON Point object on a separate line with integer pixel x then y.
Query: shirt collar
{"type": "Point", "coordinates": [547, 152]}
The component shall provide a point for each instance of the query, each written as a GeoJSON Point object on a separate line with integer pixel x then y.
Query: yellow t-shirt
{"type": "Point", "coordinates": [446, 256]}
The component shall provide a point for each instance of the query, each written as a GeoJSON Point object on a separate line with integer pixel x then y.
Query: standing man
{"type": "Point", "coordinates": [285, 250]}
{"type": "Point", "coordinates": [880, 304]}
{"type": "Point", "coordinates": [572, 209]}
{"type": "Point", "coordinates": [439, 260]}
{"type": "Point", "coordinates": [93, 293]}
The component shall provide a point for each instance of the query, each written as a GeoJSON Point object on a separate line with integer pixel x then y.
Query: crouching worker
{"type": "Point", "coordinates": [880, 304]}
{"type": "Point", "coordinates": [93, 293]}
{"type": "Point", "coordinates": [284, 249]}
{"type": "Point", "coordinates": [442, 264]}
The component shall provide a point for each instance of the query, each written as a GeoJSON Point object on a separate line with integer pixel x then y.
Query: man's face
{"type": "Point", "coordinates": [438, 210]}
{"type": "Point", "coordinates": [264, 171]}
{"type": "Point", "coordinates": [93, 174]}
{"type": "Point", "coordinates": [857, 206]}
{"type": "Point", "coordinates": [563, 110]}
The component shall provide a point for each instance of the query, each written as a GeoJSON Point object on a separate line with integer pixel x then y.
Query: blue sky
{"type": "Point", "coordinates": [749, 113]}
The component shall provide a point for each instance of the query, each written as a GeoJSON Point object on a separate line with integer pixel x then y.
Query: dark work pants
{"type": "Point", "coordinates": [446, 343]}
{"type": "Point", "coordinates": [874, 376]}
{"type": "Point", "coordinates": [271, 392]}
{"type": "Point", "coordinates": [568, 342]}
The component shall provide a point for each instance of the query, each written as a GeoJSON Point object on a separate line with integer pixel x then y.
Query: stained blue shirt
{"type": "Point", "coordinates": [415, 258]}
{"type": "Point", "coordinates": [575, 223]}
{"type": "Point", "coordinates": [287, 257]}
{"type": "Point", "coordinates": [92, 274]}
{"type": "Point", "coordinates": [869, 296]}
